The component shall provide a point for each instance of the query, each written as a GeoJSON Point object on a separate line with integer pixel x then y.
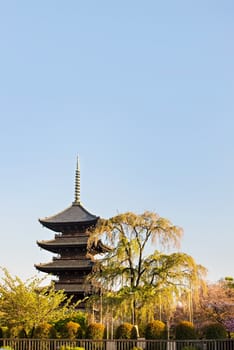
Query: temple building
{"type": "Point", "coordinates": [74, 261]}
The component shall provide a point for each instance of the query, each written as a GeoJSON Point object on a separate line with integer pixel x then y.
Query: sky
{"type": "Point", "coordinates": [143, 92]}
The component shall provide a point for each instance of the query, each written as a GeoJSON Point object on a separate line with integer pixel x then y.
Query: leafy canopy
{"type": "Point", "coordinates": [29, 304]}
{"type": "Point", "coordinates": [135, 275]}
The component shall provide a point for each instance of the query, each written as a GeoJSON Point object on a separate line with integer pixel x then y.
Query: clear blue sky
{"type": "Point", "coordinates": [143, 92]}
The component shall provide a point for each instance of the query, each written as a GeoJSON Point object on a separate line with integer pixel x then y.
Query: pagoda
{"type": "Point", "coordinates": [74, 260]}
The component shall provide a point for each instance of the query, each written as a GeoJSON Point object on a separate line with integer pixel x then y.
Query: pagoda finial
{"type": "Point", "coordinates": [77, 183]}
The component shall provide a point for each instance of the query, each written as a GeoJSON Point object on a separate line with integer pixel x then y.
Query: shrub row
{"type": "Point", "coordinates": [153, 330]}
{"type": "Point", "coordinates": [184, 330]}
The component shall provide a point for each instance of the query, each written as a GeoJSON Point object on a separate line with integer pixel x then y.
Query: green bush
{"type": "Point", "coordinates": [214, 331]}
{"type": "Point", "coordinates": [44, 330]}
{"type": "Point", "coordinates": [155, 330]}
{"type": "Point", "coordinates": [68, 329]}
{"type": "Point", "coordinates": [185, 330]}
{"type": "Point", "coordinates": [72, 329]}
{"type": "Point", "coordinates": [17, 332]}
{"type": "Point", "coordinates": [95, 331]}
{"type": "Point", "coordinates": [5, 332]}
{"type": "Point", "coordinates": [63, 331]}
{"type": "Point", "coordinates": [124, 331]}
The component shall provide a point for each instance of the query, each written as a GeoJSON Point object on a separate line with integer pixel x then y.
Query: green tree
{"type": "Point", "coordinates": [28, 305]}
{"type": "Point", "coordinates": [134, 276]}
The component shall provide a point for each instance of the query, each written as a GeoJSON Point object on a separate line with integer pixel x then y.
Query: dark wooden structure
{"type": "Point", "coordinates": [74, 261]}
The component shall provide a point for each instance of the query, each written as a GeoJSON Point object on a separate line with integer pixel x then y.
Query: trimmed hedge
{"type": "Point", "coordinates": [155, 330]}
{"type": "Point", "coordinates": [185, 330]}
{"type": "Point", "coordinates": [214, 331]}
{"type": "Point", "coordinates": [44, 330]}
{"type": "Point", "coordinates": [95, 331]}
{"type": "Point", "coordinates": [124, 331]}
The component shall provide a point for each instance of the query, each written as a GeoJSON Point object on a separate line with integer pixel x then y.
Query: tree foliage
{"type": "Point", "coordinates": [217, 304]}
{"type": "Point", "coordinates": [28, 304]}
{"type": "Point", "coordinates": [136, 273]}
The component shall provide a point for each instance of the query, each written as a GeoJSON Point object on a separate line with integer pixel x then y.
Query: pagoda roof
{"type": "Point", "coordinates": [72, 242]}
{"type": "Point", "coordinates": [62, 242]}
{"type": "Point", "coordinates": [65, 265]}
{"type": "Point", "coordinates": [75, 215]}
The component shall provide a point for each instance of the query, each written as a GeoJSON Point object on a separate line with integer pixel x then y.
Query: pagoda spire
{"type": "Point", "coordinates": [77, 183]}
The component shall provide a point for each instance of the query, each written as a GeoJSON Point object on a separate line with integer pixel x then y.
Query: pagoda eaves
{"type": "Point", "coordinates": [72, 218]}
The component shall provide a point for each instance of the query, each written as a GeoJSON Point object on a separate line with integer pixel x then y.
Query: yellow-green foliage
{"type": "Point", "coordinates": [124, 331]}
{"type": "Point", "coordinates": [185, 330]}
{"type": "Point", "coordinates": [68, 329]}
{"type": "Point", "coordinates": [72, 329]}
{"type": "Point", "coordinates": [16, 332]}
{"type": "Point", "coordinates": [155, 330]}
{"type": "Point", "coordinates": [44, 330]}
{"type": "Point", "coordinates": [28, 304]}
{"type": "Point", "coordinates": [95, 331]}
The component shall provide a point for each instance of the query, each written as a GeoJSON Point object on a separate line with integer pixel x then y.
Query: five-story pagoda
{"type": "Point", "coordinates": [74, 261]}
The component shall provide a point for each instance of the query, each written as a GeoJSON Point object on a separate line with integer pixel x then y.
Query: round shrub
{"type": "Point", "coordinates": [17, 332]}
{"type": "Point", "coordinates": [124, 331]}
{"type": "Point", "coordinates": [185, 330]}
{"type": "Point", "coordinates": [95, 331]}
{"type": "Point", "coordinates": [155, 330]}
{"type": "Point", "coordinates": [44, 330]}
{"type": "Point", "coordinates": [72, 329]}
{"type": "Point", "coordinates": [214, 331]}
{"type": "Point", "coordinates": [68, 329]}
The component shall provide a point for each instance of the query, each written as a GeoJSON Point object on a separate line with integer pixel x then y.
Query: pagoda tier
{"type": "Point", "coordinates": [60, 243]}
{"type": "Point", "coordinates": [75, 260]}
{"type": "Point", "coordinates": [73, 219]}
{"type": "Point", "coordinates": [76, 243]}
{"type": "Point", "coordinates": [60, 265]}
